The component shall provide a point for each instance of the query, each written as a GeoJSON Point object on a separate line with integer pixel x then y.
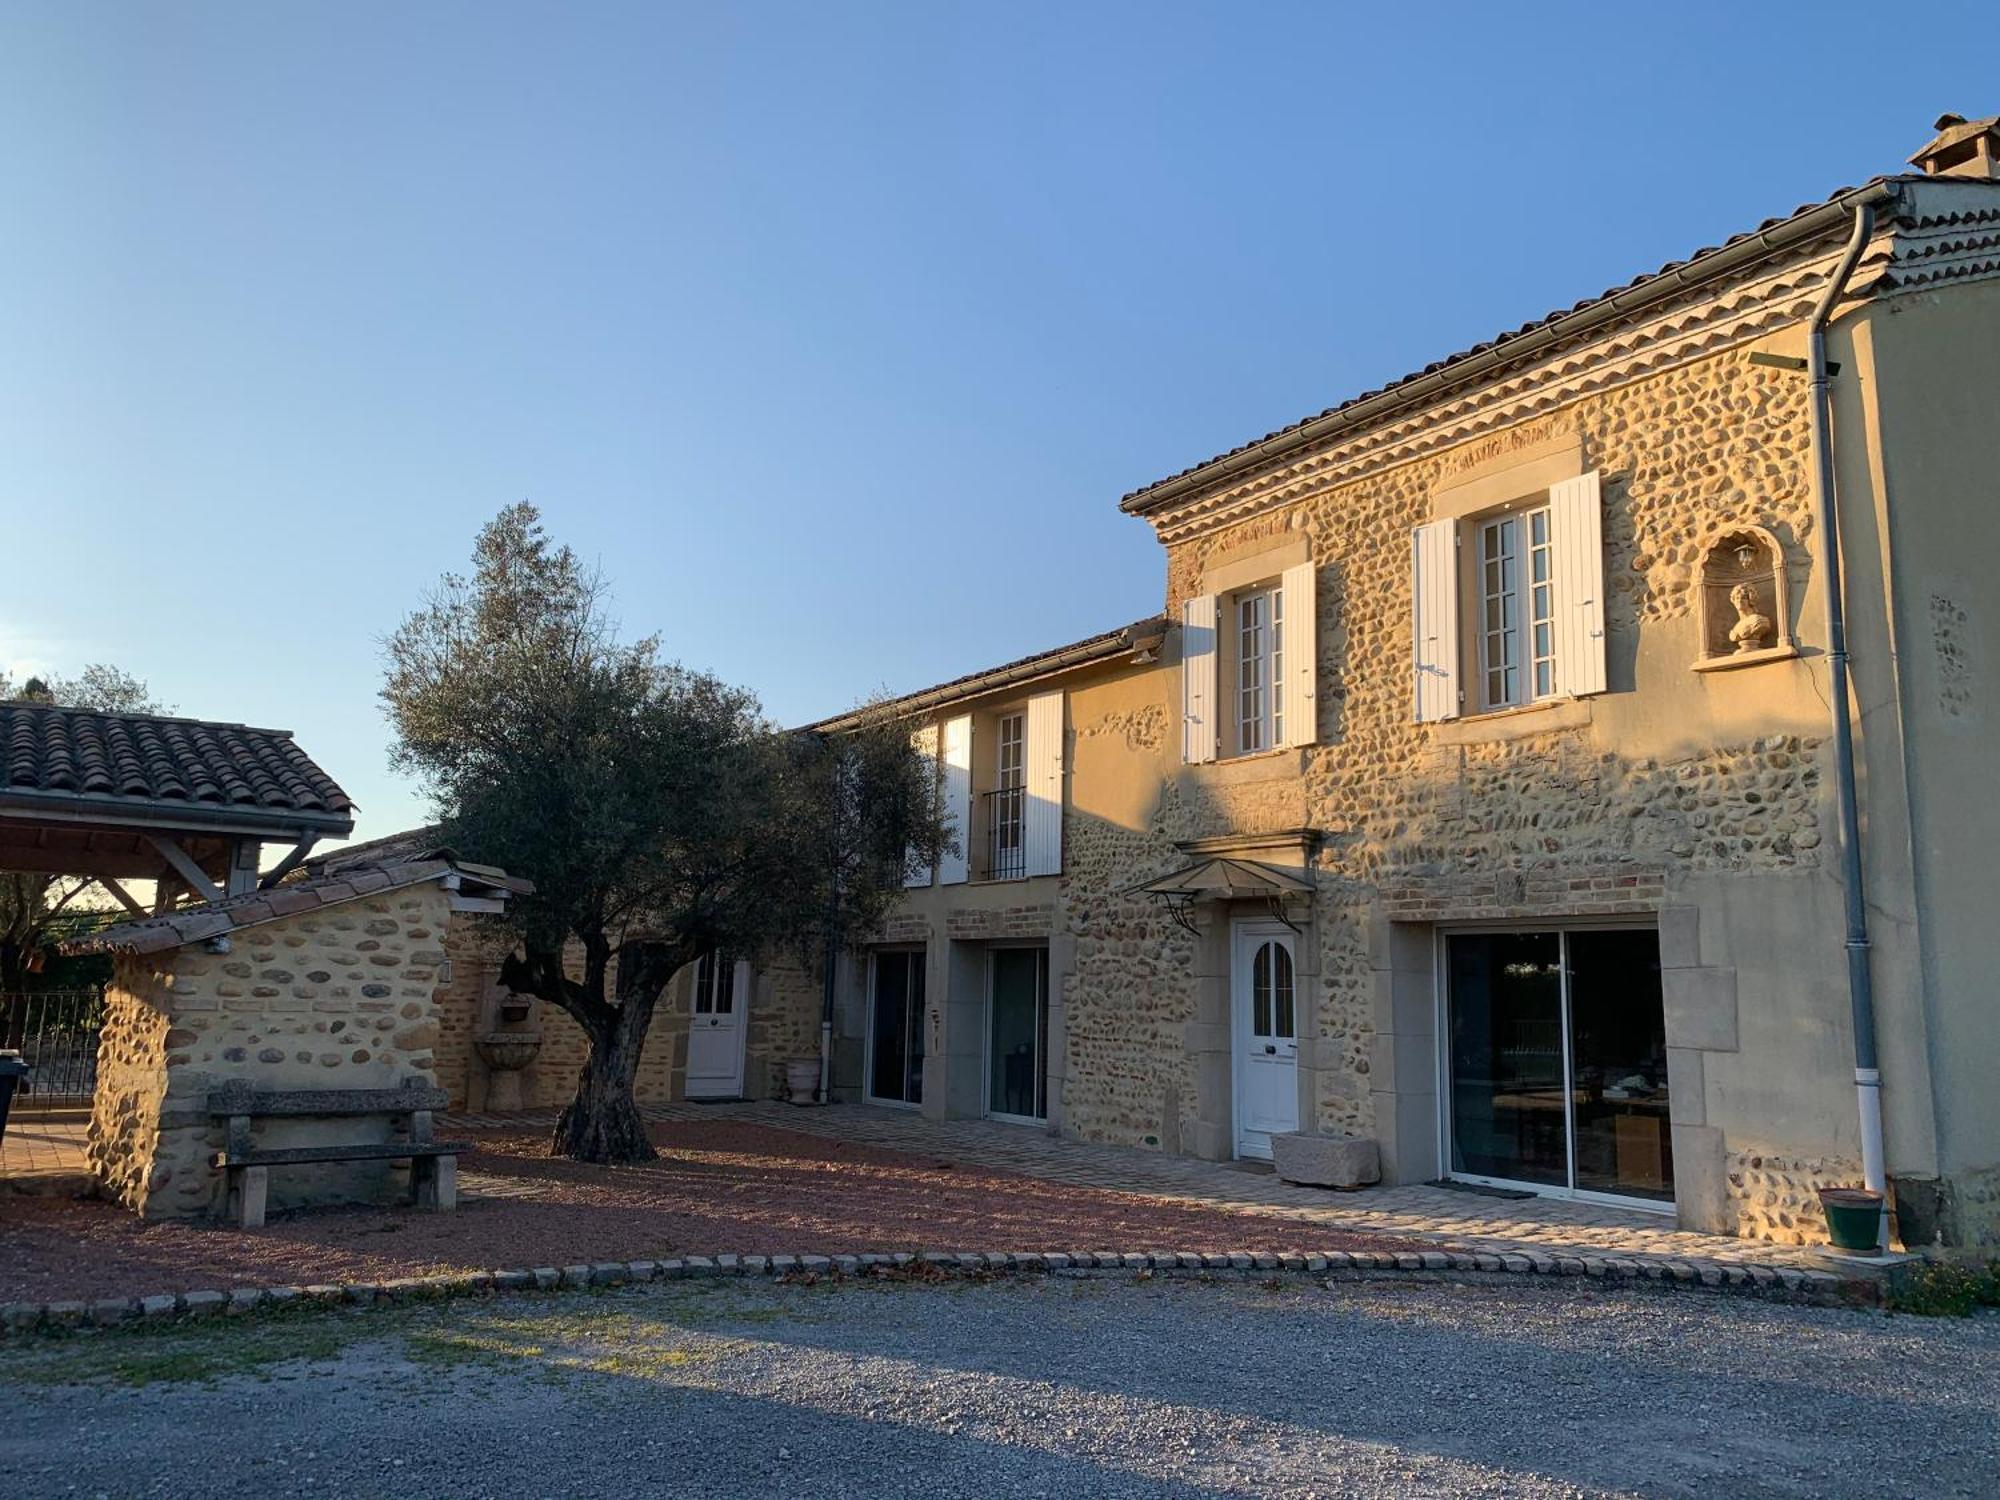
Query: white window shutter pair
{"type": "Point", "coordinates": [915, 873]}
{"type": "Point", "coordinates": [1576, 538]}
{"type": "Point", "coordinates": [1201, 708]}
{"type": "Point", "coordinates": [953, 868]}
{"type": "Point", "coordinates": [1042, 803]}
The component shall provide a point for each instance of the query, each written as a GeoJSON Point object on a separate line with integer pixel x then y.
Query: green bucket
{"type": "Point", "coordinates": [1853, 1218]}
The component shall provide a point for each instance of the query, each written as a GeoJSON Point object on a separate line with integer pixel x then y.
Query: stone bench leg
{"type": "Point", "coordinates": [435, 1180]}
{"type": "Point", "coordinates": [249, 1188]}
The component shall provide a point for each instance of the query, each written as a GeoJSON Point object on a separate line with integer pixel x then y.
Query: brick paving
{"type": "Point", "coordinates": [720, 1188]}
{"type": "Point", "coordinates": [1472, 1220]}
{"type": "Point", "coordinates": [43, 1153]}
{"type": "Point", "coordinates": [719, 1195]}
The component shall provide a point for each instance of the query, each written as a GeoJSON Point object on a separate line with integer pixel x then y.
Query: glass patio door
{"type": "Point", "coordinates": [1017, 1034]}
{"type": "Point", "coordinates": [1558, 1075]}
{"type": "Point", "coordinates": [896, 1028]}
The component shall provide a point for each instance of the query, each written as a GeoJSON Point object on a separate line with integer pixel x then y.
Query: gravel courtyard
{"type": "Point", "coordinates": [1056, 1387]}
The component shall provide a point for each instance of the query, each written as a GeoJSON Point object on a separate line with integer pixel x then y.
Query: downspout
{"type": "Point", "coordinates": [831, 949]}
{"type": "Point", "coordinates": [1860, 981]}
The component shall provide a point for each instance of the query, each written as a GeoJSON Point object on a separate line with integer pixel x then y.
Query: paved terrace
{"type": "Point", "coordinates": [1465, 1220]}
{"type": "Point", "coordinates": [46, 1155]}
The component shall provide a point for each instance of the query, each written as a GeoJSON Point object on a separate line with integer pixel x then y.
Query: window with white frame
{"type": "Point", "coordinates": [1260, 669]}
{"type": "Point", "coordinates": [1517, 648]}
{"type": "Point", "coordinates": [1249, 668]}
{"type": "Point", "coordinates": [1532, 610]}
{"type": "Point", "coordinates": [1006, 803]}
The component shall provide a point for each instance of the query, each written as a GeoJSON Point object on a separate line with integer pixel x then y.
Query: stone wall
{"type": "Point", "coordinates": [1602, 806]}
{"type": "Point", "coordinates": [336, 997]}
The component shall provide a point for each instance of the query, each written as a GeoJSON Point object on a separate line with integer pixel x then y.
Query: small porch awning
{"type": "Point", "coordinates": [1220, 877]}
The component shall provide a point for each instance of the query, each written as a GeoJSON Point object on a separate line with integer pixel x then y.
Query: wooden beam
{"type": "Point", "coordinates": [290, 862]}
{"type": "Point", "coordinates": [186, 868]}
{"type": "Point", "coordinates": [123, 896]}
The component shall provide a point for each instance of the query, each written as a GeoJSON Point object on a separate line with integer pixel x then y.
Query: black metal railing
{"type": "Point", "coordinates": [56, 1033]}
{"type": "Point", "coordinates": [1006, 845]}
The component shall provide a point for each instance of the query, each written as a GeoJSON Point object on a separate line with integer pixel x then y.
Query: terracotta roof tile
{"type": "Point", "coordinates": [154, 759]}
{"type": "Point", "coordinates": [199, 923]}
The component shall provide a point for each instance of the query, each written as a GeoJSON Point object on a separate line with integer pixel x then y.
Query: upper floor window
{"type": "Point", "coordinates": [1517, 647]}
{"type": "Point", "coordinates": [1518, 596]}
{"type": "Point", "coordinates": [1249, 666]}
{"type": "Point", "coordinates": [1260, 669]}
{"type": "Point", "coordinates": [1006, 851]}
{"type": "Point", "coordinates": [1001, 792]}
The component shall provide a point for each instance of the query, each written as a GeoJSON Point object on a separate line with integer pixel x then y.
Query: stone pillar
{"type": "Point", "coordinates": [1403, 1053]}
{"type": "Point", "coordinates": [329, 997]}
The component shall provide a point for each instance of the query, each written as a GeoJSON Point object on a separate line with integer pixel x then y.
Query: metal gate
{"type": "Point", "coordinates": [56, 1033]}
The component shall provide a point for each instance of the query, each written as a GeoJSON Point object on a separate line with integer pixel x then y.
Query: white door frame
{"type": "Point", "coordinates": [1242, 934]}
{"type": "Point", "coordinates": [1566, 1189]}
{"type": "Point", "coordinates": [741, 983]}
{"type": "Point", "coordinates": [986, 1032]}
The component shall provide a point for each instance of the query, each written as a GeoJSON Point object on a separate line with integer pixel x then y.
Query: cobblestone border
{"type": "Point", "coordinates": [1782, 1283]}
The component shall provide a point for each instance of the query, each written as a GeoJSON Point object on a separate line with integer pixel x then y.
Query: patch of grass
{"type": "Point", "coordinates": [597, 1340]}
{"type": "Point", "coordinates": [181, 1354]}
{"type": "Point", "coordinates": [1946, 1289]}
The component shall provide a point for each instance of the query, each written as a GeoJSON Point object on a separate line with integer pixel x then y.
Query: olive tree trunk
{"type": "Point", "coordinates": [602, 1123]}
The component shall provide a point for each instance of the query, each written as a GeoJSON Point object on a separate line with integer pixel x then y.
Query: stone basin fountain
{"type": "Point", "coordinates": [505, 1054]}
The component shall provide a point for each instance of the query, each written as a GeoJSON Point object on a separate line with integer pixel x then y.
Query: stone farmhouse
{"type": "Point", "coordinates": [1516, 777]}
{"type": "Point", "coordinates": [1477, 792]}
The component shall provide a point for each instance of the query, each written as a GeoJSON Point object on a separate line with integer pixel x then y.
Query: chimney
{"type": "Point", "coordinates": [1963, 148]}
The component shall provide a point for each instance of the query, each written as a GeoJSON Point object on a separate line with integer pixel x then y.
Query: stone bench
{"type": "Point", "coordinates": [433, 1164]}
{"type": "Point", "coordinates": [1335, 1161]}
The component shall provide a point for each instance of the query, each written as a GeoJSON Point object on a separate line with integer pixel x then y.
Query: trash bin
{"type": "Point", "coordinates": [12, 1071]}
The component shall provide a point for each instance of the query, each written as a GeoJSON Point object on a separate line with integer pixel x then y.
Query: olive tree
{"type": "Point", "coordinates": [658, 813]}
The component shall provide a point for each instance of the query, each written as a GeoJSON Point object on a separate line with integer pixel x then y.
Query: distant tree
{"type": "Point", "coordinates": [32, 905]}
{"type": "Point", "coordinates": [658, 813]}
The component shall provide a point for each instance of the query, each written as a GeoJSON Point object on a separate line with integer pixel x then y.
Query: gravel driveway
{"type": "Point", "coordinates": [1058, 1387]}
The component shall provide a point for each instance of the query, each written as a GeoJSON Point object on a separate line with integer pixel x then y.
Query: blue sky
{"type": "Point", "coordinates": [834, 332]}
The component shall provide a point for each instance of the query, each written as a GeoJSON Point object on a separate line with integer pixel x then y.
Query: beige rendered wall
{"type": "Point", "coordinates": [339, 997]}
{"type": "Point", "coordinates": [1937, 402]}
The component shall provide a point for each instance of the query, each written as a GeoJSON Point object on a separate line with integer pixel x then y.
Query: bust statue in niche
{"type": "Point", "coordinates": [1743, 604]}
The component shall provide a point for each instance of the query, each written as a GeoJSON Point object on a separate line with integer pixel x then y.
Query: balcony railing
{"type": "Point", "coordinates": [1006, 849]}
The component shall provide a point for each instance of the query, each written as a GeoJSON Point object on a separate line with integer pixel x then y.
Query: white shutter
{"type": "Point", "coordinates": [740, 989]}
{"type": "Point", "coordinates": [957, 797]}
{"type": "Point", "coordinates": [1042, 765]}
{"type": "Point", "coordinates": [1576, 537]}
{"type": "Point", "coordinates": [926, 742]}
{"type": "Point", "coordinates": [1434, 612]}
{"type": "Point", "coordinates": [1300, 688]}
{"type": "Point", "coordinates": [1198, 713]}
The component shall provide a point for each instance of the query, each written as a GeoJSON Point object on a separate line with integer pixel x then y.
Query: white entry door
{"type": "Point", "coordinates": [715, 1031]}
{"type": "Point", "coordinates": [1264, 1004]}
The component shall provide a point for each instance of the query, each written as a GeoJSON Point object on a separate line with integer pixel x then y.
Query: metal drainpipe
{"type": "Point", "coordinates": [827, 991]}
{"type": "Point", "coordinates": [1860, 982]}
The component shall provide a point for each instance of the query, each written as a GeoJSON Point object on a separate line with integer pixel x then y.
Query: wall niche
{"type": "Point", "coordinates": [1744, 609]}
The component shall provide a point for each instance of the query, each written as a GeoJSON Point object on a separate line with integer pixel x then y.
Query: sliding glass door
{"type": "Point", "coordinates": [896, 1027]}
{"type": "Point", "coordinates": [1558, 1061]}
